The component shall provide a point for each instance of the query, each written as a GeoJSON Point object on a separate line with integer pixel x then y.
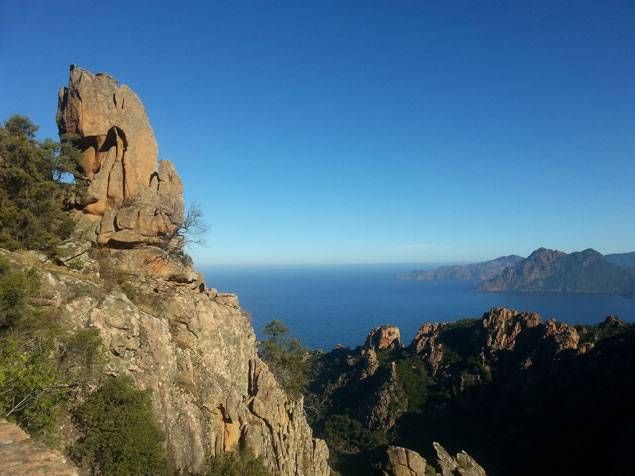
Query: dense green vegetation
{"type": "Point", "coordinates": [48, 375]}
{"type": "Point", "coordinates": [41, 367]}
{"type": "Point", "coordinates": [32, 187]}
{"type": "Point", "coordinates": [120, 435]}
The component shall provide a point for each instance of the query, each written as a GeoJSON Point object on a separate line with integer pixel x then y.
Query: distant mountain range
{"type": "Point", "coordinates": [545, 271]}
{"type": "Point", "coordinates": [622, 259]}
{"type": "Point", "coordinates": [555, 271]}
{"type": "Point", "coordinates": [475, 271]}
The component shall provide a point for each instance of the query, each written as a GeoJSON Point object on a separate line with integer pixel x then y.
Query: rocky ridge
{"type": "Point", "coordinates": [555, 271]}
{"type": "Point", "coordinates": [473, 271]}
{"type": "Point", "coordinates": [470, 382]}
{"type": "Point", "coordinates": [125, 275]}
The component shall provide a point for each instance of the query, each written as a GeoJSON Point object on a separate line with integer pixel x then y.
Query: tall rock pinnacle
{"type": "Point", "coordinates": [132, 198]}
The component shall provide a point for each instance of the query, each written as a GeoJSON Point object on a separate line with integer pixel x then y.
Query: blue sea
{"type": "Point", "coordinates": [328, 305]}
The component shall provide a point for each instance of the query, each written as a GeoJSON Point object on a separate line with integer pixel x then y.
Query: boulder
{"type": "Point", "coordinates": [461, 465]}
{"type": "Point", "coordinates": [403, 462]}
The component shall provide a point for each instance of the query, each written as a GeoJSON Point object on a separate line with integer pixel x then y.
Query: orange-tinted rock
{"type": "Point", "coordinates": [564, 336]}
{"type": "Point", "coordinates": [120, 151]}
{"type": "Point", "coordinates": [132, 199]}
{"type": "Point", "coordinates": [383, 337]}
{"type": "Point", "coordinates": [425, 344]}
{"type": "Point", "coordinates": [503, 326]}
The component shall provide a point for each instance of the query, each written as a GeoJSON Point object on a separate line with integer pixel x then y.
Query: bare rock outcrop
{"type": "Point", "coordinates": [192, 346]}
{"type": "Point", "coordinates": [21, 456]}
{"type": "Point", "coordinates": [503, 325]}
{"type": "Point", "coordinates": [196, 350]}
{"type": "Point", "coordinates": [499, 330]}
{"type": "Point", "coordinates": [389, 403]}
{"type": "Point", "coordinates": [131, 198]}
{"type": "Point", "coordinates": [405, 462]}
{"type": "Point", "coordinates": [461, 465]}
{"type": "Point", "coordinates": [427, 346]}
{"type": "Point", "coordinates": [383, 338]}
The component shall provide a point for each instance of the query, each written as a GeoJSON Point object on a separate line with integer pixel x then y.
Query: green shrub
{"type": "Point", "coordinates": [239, 463]}
{"type": "Point", "coordinates": [33, 390]}
{"type": "Point", "coordinates": [15, 287]}
{"type": "Point", "coordinates": [32, 192]}
{"type": "Point", "coordinates": [414, 380]}
{"type": "Point", "coordinates": [347, 435]}
{"type": "Point", "coordinates": [120, 435]}
{"type": "Point", "coordinates": [286, 358]}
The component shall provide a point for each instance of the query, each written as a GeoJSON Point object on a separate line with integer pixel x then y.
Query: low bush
{"type": "Point", "coordinates": [286, 358]}
{"type": "Point", "coordinates": [238, 463]}
{"type": "Point", "coordinates": [119, 433]}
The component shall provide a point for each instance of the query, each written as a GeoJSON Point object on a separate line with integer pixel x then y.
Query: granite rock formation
{"type": "Point", "coordinates": [383, 338]}
{"type": "Point", "coordinates": [403, 462]}
{"type": "Point", "coordinates": [131, 198]}
{"type": "Point", "coordinates": [192, 346]}
{"type": "Point", "coordinates": [493, 386]}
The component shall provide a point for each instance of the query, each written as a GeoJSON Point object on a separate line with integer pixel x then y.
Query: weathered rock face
{"type": "Point", "coordinates": [388, 404]}
{"type": "Point", "coordinates": [425, 344]}
{"type": "Point", "coordinates": [502, 327]}
{"type": "Point", "coordinates": [132, 198]}
{"type": "Point", "coordinates": [21, 456]}
{"type": "Point", "coordinates": [462, 465]}
{"type": "Point", "coordinates": [383, 338]}
{"type": "Point", "coordinates": [196, 350]}
{"type": "Point", "coordinates": [499, 330]}
{"type": "Point", "coordinates": [192, 346]}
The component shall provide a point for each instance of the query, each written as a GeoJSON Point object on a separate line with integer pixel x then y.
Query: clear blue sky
{"type": "Point", "coordinates": [337, 132]}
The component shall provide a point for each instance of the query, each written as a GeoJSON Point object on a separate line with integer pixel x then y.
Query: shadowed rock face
{"type": "Point", "coordinates": [132, 198]}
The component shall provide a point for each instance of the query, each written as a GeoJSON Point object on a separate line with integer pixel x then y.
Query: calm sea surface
{"type": "Point", "coordinates": [325, 306]}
